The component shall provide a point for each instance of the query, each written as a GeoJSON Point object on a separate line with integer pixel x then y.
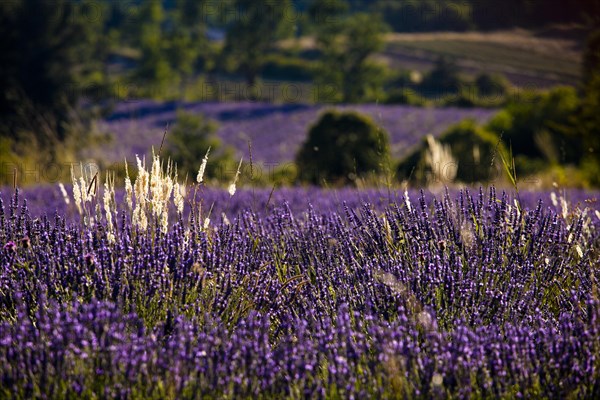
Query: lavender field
{"type": "Point", "coordinates": [299, 199]}
{"type": "Point", "coordinates": [275, 131]}
{"type": "Point", "coordinates": [302, 293]}
{"type": "Point", "coordinates": [48, 200]}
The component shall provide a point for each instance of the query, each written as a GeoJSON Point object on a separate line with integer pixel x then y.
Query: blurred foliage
{"type": "Point", "coordinates": [341, 147]}
{"type": "Point", "coordinates": [491, 86]}
{"type": "Point", "coordinates": [10, 161]}
{"type": "Point", "coordinates": [189, 140]}
{"type": "Point", "coordinates": [455, 15]}
{"type": "Point", "coordinates": [173, 46]}
{"type": "Point", "coordinates": [444, 86]}
{"type": "Point", "coordinates": [285, 67]}
{"type": "Point", "coordinates": [591, 57]}
{"type": "Point", "coordinates": [33, 163]}
{"type": "Point", "coordinates": [536, 125]}
{"type": "Point", "coordinates": [443, 79]}
{"type": "Point", "coordinates": [153, 68]}
{"type": "Point", "coordinates": [452, 15]}
{"type": "Point", "coordinates": [586, 121]}
{"type": "Point", "coordinates": [425, 15]}
{"type": "Point", "coordinates": [489, 14]}
{"type": "Point", "coordinates": [251, 34]}
{"type": "Point", "coordinates": [475, 150]}
{"type": "Point", "coordinates": [47, 51]}
{"type": "Point", "coordinates": [406, 96]}
{"type": "Point", "coordinates": [162, 48]}
{"type": "Point", "coordinates": [467, 96]}
{"type": "Point", "coordinates": [346, 48]}
{"type": "Point", "coordinates": [52, 54]}
{"type": "Point", "coordinates": [551, 132]}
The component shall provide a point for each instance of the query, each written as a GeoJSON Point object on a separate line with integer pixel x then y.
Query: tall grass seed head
{"type": "Point", "coordinates": [200, 177]}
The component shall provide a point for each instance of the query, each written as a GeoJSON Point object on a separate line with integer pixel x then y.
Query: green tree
{"type": "Point", "coordinates": [539, 128]}
{"type": "Point", "coordinates": [490, 14]}
{"type": "Point", "coordinates": [340, 147]}
{"type": "Point", "coordinates": [188, 46]}
{"type": "Point", "coordinates": [491, 85]}
{"type": "Point", "coordinates": [591, 57]}
{"type": "Point", "coordinates": [46, 48]}
{"type": "Point", "coordinates": [443, 79]}
{"type": "Point", "coordinates": [154, 69]}
{"type": "Point", "coordinates": [346, 62]}
{"type": "Point", "coordinates": [425, 15]}
{"type": "Point", "coordinates": [536, 127]}
{"type": "Point", "coordinates": [474, 151]}
{"type": "Point", "coordinates": [173, 45]}
{"type": "Point", "coordinates": [586, 122]}
{"type": "Point", "coordinates": [256, 25]}
{"type": "Point", "coordinates": [189, 140]}
{"type": "Point", "coordinates": [588, 130]}
{"type": "Point", "coordinates": [326, 14]}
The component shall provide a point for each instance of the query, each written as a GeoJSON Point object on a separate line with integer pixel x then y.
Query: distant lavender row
{"type": "Point", "coordinates": [48, 200]}
{"type": "Point", "coordinates": [442, 296]}
{"type": "Point", "coordinates": [276, 131]}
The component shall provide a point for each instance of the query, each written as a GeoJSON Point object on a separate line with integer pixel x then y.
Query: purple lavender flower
{"type": "Point", "coordinates": [10, 247]}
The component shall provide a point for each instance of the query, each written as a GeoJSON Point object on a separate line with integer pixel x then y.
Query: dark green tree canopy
{"type": "Point", "coordinates": [255, 26]}
{"type": "Point", "coordinates": [586, 121]}
{"type": "Point", "coordinates": [340, 147]}
{"type": "Point", "coordinates": [535, 127]}
{"type": "Point", "coordinates": [443, 78]}
{"type": "Point", "coordinates": [473, 148]}
{"type": "Point", "coordinates": [172, 43]}
{"type": "Point", "coordinates": [491, 85]}
{"type": "Point", "coordinates": [591, 57]}
{"type": "Point", "coordinates": [346, 47]}
{"type": "Point", "coordinates": [46, 48]}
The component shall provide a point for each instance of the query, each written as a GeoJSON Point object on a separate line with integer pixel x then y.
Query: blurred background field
{"type": "Point", "coordinates": [276, 131]}
{"type": "Point", "coordinates": [99, 82]}
{"type": "Point", "coordinates": [522, 56]}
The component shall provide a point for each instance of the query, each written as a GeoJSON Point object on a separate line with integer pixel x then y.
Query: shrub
{"type": "Point", "coordinates": [467, 97]}
{"type": "Point", "coordinates": [406, 96]}
{"type": "Point", "coordinates": [346, 62]}
{"type": "Point", "coordinates": [442, 79]}
{"type": "Point", "coordinates": [472, 147]}
{"type": "Point", "coordinates": [586, 120]}
{"type": "Point", "coordinates": [444, 83]}
{"type": "Point", "coordinates": [491, 85]}
{"type": "Point", "coordinates": [287, 68]}
{"type": "Point", "coordinates": [32, 161]}
{"type": "Point", "coordinates": [188, 142]}
{"type": "Point", "coordinates": [475, 150]}
{"type": "Point", "coordinates": [9, 160]}
{"type": "Point", "coordinates": [537, 127]}
{"type": "Point", "coordinates": [340, 147]}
